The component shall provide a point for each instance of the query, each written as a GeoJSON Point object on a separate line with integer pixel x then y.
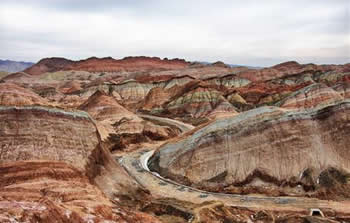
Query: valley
{"type": "Point", "coordinates": [145, 139]}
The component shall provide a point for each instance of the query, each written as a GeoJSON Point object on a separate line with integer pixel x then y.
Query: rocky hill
{"type": "Point", "coordinates": [49, 159]}
{"type": "Point", "coordinates": [263, 148]}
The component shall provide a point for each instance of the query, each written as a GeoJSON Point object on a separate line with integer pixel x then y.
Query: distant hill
{"type": "Point", "coordinates": [251, 67]}
{"type": "Point", "coordinates": [13, 66]}
{"type": "Point", "coordinates": [231, 65]}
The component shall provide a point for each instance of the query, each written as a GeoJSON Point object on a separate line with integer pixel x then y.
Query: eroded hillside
{"type": "Point", "coordinates": [74, 135]}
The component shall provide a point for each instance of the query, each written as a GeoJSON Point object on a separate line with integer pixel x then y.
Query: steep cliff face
{"type": "Point", "coordinates": [39, 133]}
{"type": "Point", "coordinates": [49, 159]}
{"type": "Point", "coordinates": [267, 145]}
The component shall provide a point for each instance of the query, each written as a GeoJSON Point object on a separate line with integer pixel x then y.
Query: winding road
{"type": "Point", "coordinates": [136, 165]}
{"type": "Point", "coordinates": [171, 122]}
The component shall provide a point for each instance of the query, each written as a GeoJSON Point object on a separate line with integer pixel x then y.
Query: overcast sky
{"type": "Point", "coordinates": [249, 32]}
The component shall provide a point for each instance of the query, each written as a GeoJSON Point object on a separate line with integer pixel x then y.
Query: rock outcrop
{"type": "Point", "coordinates": [101, 107]}
{"type": "Point", "coordinates": [265, 146]}
{"type": "Point", "coordinates": [343, 89]}
{"type": "Point", "coordinates": [199, 102]}
{"type": "Point", "coordinates": [122, 127]}
{"type": "Point", "coordinates": [49, 160]}
{"type": "Point", "coordinates": [311, 96]}
{"type": "Point", "coordinates": [14, 95]}
{"type": "Point", "coordinates": [51, 191]}
{"type": "Point", "coordinates": [43, 133]}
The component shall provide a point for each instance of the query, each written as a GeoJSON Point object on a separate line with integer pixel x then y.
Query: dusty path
{"type": "Point", "coordinates": [182, 126]}
{"type": "Point", "coordinates": [136, 165]}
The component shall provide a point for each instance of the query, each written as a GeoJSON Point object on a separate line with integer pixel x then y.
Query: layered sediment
{"type": "Point", "coordinates": [50, 163]}
{"type": "Point", "coordinates": [57, 163]}
{"type": "Point", "coordinates": [14, 95]}
{"type": "Point", "coordinates": [51, 191]}
{"type": "Point", "coordinates": [106, 64]}
{"type": "Point", "coordinates": [267, 146]}
{"type": "Point", "coordinates": [311, 96]}
{"type": "Point", "coordinates": [42, 133]}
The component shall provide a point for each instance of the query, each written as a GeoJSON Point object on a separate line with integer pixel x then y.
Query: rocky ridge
{"type": "Point", "coordinates": [106, 64]}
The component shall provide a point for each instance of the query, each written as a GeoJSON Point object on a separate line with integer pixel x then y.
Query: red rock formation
{"type": "Point", "coordinates": [267, 93]}
{"type": "Point", "coordinates": [69, 163]}
{"type": "Point", "coordinates": [120, 125]}
{"type": "Point", "coordinates": [107, 64]}
{"type": "Point", "coordinates": [263, 147]}
{"type": "Point", "coordinates": [200, 72]}
{"type": "Point", "coordinates": [343, 89]}
{"type": "Point", "coordinates": [39, 133]}
{"type": "Point", "coordinates": [199, 102]}
{"type": "Point", "coordinates": [158, 96]}
{"type": "Point", "coordinates": [17, 77]}
{"type": "Point", "coordinates": [71, 87]}
{"type": "Point", "coordinates": [46, 157]}
{"type": "Point", "coordinates": [101, 107]}
{"type": "Point", "coordinates": [14, 95]}
{"type": "Point", "coordinates": [48, 191]}
{"type": "Point", "coordinates": [311, 96]}
{"type": "Point", "coordinates": [48, 65]}
{"type": "Point", "coordinates": [287, 69]}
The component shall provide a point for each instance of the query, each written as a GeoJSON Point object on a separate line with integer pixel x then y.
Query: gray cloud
{"type": "Point", "coordinates": [252, 32]}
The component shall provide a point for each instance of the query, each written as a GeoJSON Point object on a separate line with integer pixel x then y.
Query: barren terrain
{"type": "Point", "coordinates": [145, 139]}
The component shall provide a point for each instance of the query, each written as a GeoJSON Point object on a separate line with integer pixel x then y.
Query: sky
{"type": "Point", "coordinates": [249, 32]}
